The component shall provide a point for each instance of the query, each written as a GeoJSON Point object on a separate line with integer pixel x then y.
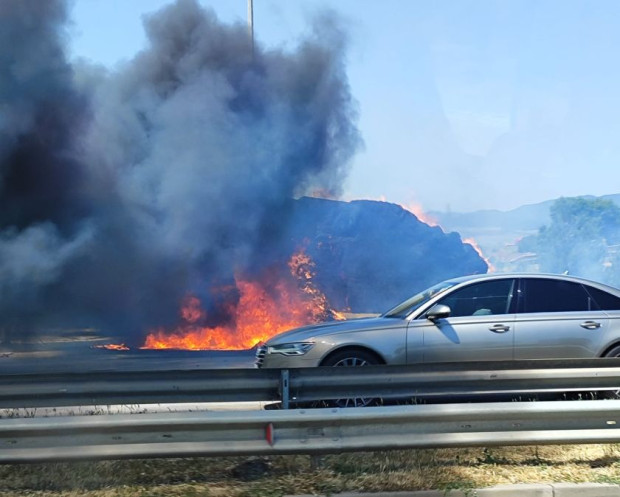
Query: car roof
{"type": "Point", "coordinates": [563, 277]}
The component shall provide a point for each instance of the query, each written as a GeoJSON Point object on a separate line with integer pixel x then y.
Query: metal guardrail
{"type": "Point", "coordinates": [452, 380]}
{"type": "Point", "coordinates": [308, 431]}
{"type": "Point", "coordinates": [171, 434]}
{"type": "Point", "coordinates": [137, 387]}
{"type": "Point", "coordinates": [299, 386]}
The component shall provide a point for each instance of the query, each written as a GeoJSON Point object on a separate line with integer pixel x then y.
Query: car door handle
{"type": "Point", "coordinates": [590, 325]}
{"type": "Point", "coordinates": [499, 328]}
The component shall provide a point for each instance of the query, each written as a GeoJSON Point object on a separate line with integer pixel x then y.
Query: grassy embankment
{"type": "Point", "coordinates": [442, 469]}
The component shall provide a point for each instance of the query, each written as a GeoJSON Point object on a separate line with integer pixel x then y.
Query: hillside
{"type": "Point", "coordinates": [526, 217]}
{"type": "Point", "coordinates": [370, 255]}
{"type": "Point", "coordinates": [497, 232]}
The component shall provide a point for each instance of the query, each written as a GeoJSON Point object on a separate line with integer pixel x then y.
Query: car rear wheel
{"type": "Point", "coordinates": [352, 358]}
{"type": "Point", "coordinates": [613, 352]}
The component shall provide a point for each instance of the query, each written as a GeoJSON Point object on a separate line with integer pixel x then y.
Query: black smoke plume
{"type": "Point", "coordinates": [121, 191]}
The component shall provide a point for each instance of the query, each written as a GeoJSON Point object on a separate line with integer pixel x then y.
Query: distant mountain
{"type": "Point", "coordinates": [526, 217]}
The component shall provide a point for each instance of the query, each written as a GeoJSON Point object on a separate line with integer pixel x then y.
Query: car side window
{"type": "Point", "coordinates": [606, 301]}
{"type": "Point", "coordinates": [546, 295]}
{"type": "Point", "coordinates": [480, 299]}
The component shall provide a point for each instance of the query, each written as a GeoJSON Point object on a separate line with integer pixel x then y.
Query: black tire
{"type": "Point", "coordinates": [351, 358]}
{"type": "Point", "coordinates": [613, 394]}
{"type": "Point", "coordinates": [613, 352]}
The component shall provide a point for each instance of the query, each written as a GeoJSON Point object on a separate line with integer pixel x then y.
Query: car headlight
{"type": "Point", "coordinates": [295, 348]}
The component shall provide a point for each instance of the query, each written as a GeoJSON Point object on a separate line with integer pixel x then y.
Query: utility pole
{"type": "Point", "coordinates": [251, 24]}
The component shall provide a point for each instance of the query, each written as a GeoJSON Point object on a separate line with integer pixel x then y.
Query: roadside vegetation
{"type": "Point", "coordinates": [443, 469]}
{"type": "Point", "coordinates": [582, 239]}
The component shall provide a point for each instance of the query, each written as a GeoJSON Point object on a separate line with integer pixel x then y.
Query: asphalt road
{"type": "Point", "coordinates": [78, 353]}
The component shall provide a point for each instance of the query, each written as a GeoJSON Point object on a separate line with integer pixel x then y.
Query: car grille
{"type": "Point", "coordinates": [261, 350]}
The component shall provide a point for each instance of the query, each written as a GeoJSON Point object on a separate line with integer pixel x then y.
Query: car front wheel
{"type": "Point", "coordinates": [352, 358]}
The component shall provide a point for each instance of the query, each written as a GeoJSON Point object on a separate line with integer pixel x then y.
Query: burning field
{"type": "Point", "coordinates": [344, 259]}
{"type": "Point", "coordinates": [156, 200]}
{"type": "Point", "coordinates": [258, 310]}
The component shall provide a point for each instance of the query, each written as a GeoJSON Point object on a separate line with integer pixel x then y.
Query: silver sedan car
{"type": "Point", "coordinates": [481, 317]}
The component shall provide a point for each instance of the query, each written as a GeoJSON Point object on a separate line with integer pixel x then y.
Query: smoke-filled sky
{"type": "Point", "coordinates": [123, 190]}
{"type": "Point", "coordinates": [463, 104]}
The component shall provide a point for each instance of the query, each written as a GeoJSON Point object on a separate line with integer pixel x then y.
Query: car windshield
{"type": "Point", "coordinates": [411, 304]}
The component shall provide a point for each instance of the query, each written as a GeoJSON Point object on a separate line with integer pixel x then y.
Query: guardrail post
{"type": "Point", "coordinates": [284, 388]}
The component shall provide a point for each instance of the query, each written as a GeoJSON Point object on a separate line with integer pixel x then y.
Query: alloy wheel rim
{"type": "Point", "coordinates": [356, 401]}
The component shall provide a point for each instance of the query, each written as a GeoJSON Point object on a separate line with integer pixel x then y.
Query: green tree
{"type": "Point", "coordinates": [578, 238]}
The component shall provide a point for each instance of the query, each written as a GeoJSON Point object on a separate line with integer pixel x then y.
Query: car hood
{"type": "Point", "coordinates": [334, 327]}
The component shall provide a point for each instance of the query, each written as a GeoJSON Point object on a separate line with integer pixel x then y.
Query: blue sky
{"type": "Point", "coordinates": [463, 104]}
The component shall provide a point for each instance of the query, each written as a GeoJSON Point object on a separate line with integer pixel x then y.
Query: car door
{"type": "Point", "coordinates": [479, 326]}
{"type": "Point", "coordinates": [610, 304]}
{"type": "Point", "coordinates": [557, 319]}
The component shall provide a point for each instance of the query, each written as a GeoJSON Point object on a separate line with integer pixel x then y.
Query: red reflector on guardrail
{"type": "Point", "coordinates": [269, 434]}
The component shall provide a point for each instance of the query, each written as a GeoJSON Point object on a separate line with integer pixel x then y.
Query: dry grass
{"type": "Point", "coordinates": [276, 476]}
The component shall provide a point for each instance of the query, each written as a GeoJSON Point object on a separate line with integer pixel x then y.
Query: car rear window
{"type": "Point", "coordinates": [546, 295]}
{"type": "Point", "coordinates": [606, 301]}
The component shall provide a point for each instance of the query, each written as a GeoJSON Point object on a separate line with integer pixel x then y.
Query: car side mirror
{"type": "Point", "coordinates": [438, 311]}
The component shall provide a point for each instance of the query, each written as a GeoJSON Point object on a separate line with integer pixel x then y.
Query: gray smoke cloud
{"type": "Point", "coordinates": [121, 191]}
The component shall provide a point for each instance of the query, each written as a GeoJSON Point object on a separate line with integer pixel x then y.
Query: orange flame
{"type": "Point", "coordinates": [322, 193]}
{"type": "Point", "coordinates": [112, 346]}
{"type": "Point", "coordinates": [476, 247]}
{"type": "Point", "coordinates": [261, 311]}
{"type": "Point", "coordinates": [418, 211]}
